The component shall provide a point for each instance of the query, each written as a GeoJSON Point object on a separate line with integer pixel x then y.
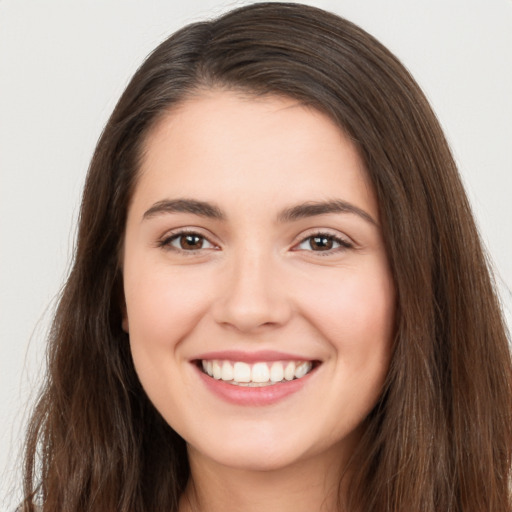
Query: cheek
{"type": "Point", "coordinates": [355, 314]}
{"type": "Point", "coordinates": [354, 309]}
{"type": "Point", "coordinates": [162, 306]}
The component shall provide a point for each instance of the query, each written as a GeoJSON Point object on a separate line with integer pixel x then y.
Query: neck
{"type": "Point", "coordinates": [312, 485]}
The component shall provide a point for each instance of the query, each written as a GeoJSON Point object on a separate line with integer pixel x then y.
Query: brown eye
{"type": "Point", "coordinates": [187, 242]}
{"type": "Point", "coordinates": [324, 242]}
{"type": "Point", "coordinates": [321, 243]}
{"type": "Point", "coordinates": [191, 242]}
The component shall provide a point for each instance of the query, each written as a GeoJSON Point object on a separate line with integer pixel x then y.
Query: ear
{"type": "Point", "coordinates": [122, 306]}
{"type": "Point", "coordinates": [124, 316]}
{"type": "Point", "coordinates": [124, 322]}
{"type": "Point", "coordinates": [121, 300]}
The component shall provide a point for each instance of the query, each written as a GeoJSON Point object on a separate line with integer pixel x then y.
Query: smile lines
{"type": "Point", "coordinates": [257, 374]}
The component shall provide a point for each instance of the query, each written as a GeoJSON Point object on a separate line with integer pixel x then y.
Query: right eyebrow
{"type": "Point", "coordinates": [201, 208]}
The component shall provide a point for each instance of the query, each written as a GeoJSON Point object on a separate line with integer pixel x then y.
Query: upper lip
{"type": "Point", "coordinates": [252, 357]}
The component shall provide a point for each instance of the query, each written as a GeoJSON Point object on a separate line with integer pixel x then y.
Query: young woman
{"type": "Point", "coordinates": [279, 299]}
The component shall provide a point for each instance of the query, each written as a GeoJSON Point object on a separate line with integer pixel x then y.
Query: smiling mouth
{"type": "Point", "coordinates": [259, 374]}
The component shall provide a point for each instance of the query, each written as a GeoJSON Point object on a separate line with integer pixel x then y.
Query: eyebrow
{"type": "Point", "coordinates": [201, 208]}
{"type": "Point", "coordinates": [312, 208]}
{"type": "Point", "coordinates": [300, 211]}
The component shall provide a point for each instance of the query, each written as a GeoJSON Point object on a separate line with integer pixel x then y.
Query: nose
{"type": "Point", "coordinates": [252, 296]}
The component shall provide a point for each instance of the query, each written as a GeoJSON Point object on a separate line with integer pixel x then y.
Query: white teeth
{"type": "Point", "coordinates": [217, 370]}
{"type": "Point", "coordinates": [258, 374]}
{"type": "Point", "coordinates": [241, 372]}
{"type": "Point", "coordinates": [276, 372]}
{"type": "Point", "coordinates": [227, 371]}
{"type": "Point", "coordinates": [302, 369]}
{"type": "Point", "coordinates": [289, 371]}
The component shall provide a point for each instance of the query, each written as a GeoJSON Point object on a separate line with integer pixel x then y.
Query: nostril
{"type": "Point", "coordinates": [251, 316]}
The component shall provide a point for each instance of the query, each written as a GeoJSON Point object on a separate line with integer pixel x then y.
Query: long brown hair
{"type": "Point", "coordinates": [440, 437]}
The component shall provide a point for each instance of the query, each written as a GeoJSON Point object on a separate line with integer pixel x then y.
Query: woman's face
{"type": "Point", "coordinates": [259, 299]}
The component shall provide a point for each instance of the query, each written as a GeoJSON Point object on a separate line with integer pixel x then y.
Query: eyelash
{"type": "Point", "coordinates": [166, 243]}
{"type": "Point", "coordinates": [343, 244]}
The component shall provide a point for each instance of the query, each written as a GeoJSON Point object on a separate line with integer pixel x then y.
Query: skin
{"type": "Point", "coordinates": [255, 281]}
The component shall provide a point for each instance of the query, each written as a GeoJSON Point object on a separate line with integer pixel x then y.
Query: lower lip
{"type": "Point", "coordinates": [253, 396]}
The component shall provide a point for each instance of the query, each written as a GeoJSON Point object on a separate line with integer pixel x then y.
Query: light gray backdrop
{"type": "Point", "coordinates": [64, 64]}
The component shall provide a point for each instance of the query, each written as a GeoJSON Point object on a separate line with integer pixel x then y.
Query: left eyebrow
{"type": "Point", "coordinates": [313, 208]}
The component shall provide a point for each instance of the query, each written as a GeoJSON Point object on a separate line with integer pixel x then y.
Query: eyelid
{"type": "Point", "coordinates": [171, 235]}
{"type": "Point", "coordinates": [343, 240]}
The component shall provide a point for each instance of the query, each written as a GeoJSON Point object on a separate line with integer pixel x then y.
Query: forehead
{"type": "Point", "coordinates": [251, 146]}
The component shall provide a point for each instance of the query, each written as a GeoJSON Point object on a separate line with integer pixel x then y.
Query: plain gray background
{"type": "Point", "coordinates": [64, 64]}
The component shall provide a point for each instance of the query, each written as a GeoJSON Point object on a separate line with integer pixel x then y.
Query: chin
{"type": "Point", "coordinates": [256, 459]}
{"type": "Point", "coordinates": [256, 451]}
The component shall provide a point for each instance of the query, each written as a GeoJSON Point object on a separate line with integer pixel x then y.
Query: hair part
{"type": "Point", "coordinates": [440, 437]}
